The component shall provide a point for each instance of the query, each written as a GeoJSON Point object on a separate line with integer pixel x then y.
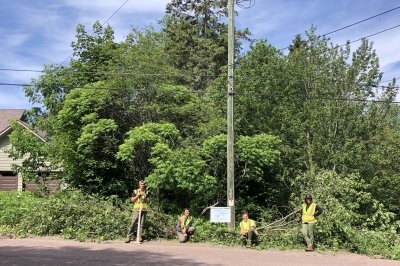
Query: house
{"type": "Point", "coordinates": [8, 179]}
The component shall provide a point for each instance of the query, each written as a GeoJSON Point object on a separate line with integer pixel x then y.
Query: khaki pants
{"type": "Point", "coordinates": [184, 238]}
{"type": "Point", "coordinates": [132, 230]}
{"type": "Point", "coordinates": [308, 232]}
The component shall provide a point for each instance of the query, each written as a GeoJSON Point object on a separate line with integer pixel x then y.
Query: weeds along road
{"type": "Point", "coordinates": [56, 251]}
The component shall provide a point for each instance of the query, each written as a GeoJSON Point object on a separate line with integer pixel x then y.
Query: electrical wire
{"type": "Point", "coordinates": [176, 74]}
{"type": "Point", "coordinates": [250, 4]}
{"type": "Point", "coordinates": [376, 33]}
{"type": "Point", "coordinates": [189, 91]}
{"type": "Point", "coordinates": [114, 13]}
{"type": "Point", "coordinates": [350, 25]}
{"type": "Point", "coordinates": [239, 77]}
{"type": "Point", "coordinates": [361, 21]}
{"type": "Point", "coordinates": [101, 25]}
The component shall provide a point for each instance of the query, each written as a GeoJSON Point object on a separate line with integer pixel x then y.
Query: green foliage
{"type": "Point", "coordinates": [120, 112]}
{"type": "Point", "coordinates": [151, 134]}
{"type": "Point", "coordinates": [86, 135]}
{"type": "Point", "coordinates": [214, 232]}
{"type": "Point", "coordinates": [256, 158]}
{"type": "Point", "coordinates": [197, 39]}
{"type": "Point", "coordinates": [34, 152]}
{"type": "Point", "coordinates": [74, 215]}
{"type": "Point", "coordinates": [353, 218]}
{"type": "Point", "coordinates": [180, 169]}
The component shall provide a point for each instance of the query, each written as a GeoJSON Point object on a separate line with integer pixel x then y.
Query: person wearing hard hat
{"type": "Point", "coordinates": [140, 202]}
{"type": "Point", "coordinates": [248, 230]}
{"type": "Point", "coordinates": [309, 211]}
{"type": "Point", "coordinates": [184, 227]}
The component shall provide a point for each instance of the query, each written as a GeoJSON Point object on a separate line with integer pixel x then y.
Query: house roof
{"type": "Point", "coordinates": [6, 115]}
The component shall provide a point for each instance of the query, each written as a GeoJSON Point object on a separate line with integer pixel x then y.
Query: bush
{"type": "Point", "coordinates": [74, 215]}
{"type": "Point", "coordinates": [353, 219]}
{"type": "Point", "coordinates": [214, 232]}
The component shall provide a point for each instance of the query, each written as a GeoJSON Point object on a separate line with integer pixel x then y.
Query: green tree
{"type": "Point", "coordinates": [197, 39]}
{"type": "Point", "coordinates": [86, 140]}
{"type": "Point", "coordinates": [256, 160]}
{"type": "Point", "coordinates": [34, 153]}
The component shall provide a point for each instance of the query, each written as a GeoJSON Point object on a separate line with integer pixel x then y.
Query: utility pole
{"type": "Point", "coordinates": [230, 134]}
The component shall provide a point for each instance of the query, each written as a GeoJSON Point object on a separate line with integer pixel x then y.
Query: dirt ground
{"type": "Point", "coordinates": [56, 251]}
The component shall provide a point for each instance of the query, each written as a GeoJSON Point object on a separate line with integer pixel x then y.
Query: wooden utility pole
{"type": "Point", "coordinates": [230, 134]}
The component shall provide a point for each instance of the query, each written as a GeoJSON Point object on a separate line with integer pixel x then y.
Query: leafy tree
{"type": "Point", "coordinates": [86, 140]}
{"type": "Point", "coordinates": [196, 39]}
{"type": "Point", "coordinates": [347, 202]}
{"type": "Point", "coordinates": [256, 159]}
{"type": "Point", "coordinates": [34, 153]}
{"type": "Point", "coordinates": [175, 172]}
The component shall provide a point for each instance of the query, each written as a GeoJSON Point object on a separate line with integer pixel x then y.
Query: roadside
{"type": "Point", "coordinates": [57, 251]}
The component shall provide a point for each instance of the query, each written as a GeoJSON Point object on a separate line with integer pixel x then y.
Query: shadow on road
{"type": "Point", "coordinates": [82, 256]}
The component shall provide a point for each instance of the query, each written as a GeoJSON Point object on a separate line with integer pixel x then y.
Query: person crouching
{"type": "Point", "coordinates": [185, 228]}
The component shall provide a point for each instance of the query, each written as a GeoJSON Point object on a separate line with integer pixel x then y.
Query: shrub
{"type": "Point", "coordinates": [74, 215]}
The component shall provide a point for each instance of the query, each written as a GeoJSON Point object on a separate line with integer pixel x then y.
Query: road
{"type": "Point", "coordinates": [56, 251]}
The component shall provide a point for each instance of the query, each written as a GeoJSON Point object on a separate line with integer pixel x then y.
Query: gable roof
{"type": "Point", "coordinates": [6, 115]}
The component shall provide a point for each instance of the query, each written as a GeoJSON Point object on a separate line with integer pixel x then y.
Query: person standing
{"type": "Point", "coordinates": [309, 211]}
{"type": "Point", "coordinates": [140, 202]}
{"type": "Point", "coordinates": [184, 227]}
{"type": "Point", "coordinates": [248, 230]}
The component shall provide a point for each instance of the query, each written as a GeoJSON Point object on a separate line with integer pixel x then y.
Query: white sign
{"type": "Point", "coordinates": [231, 201]}
{"type": "Point", "coordinates": [220, 215]}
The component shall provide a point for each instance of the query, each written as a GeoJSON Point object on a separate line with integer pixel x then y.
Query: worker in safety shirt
{"type": "Point", "coordinates": [309, 210]}
{"type": "Point", "coordinates": [248, 229]}
{"type": "Point", "coordinates": [184, 227]}
{"type": "Point", "coordinates": [140, 202]}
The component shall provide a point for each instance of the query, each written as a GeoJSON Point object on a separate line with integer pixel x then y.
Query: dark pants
{"type": "Point", "coordinates": [132, 230]}
{"type": "Point", "coordinates": [250, 236]}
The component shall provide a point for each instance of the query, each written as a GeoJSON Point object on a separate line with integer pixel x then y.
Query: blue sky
{"type": "Point", "coordinates": [38, 32]}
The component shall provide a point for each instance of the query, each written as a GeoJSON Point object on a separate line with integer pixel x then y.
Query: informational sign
{"type": "Point", "coordinates": [231, 201]}
{"type": "Point", "coordinates": [220, 215]}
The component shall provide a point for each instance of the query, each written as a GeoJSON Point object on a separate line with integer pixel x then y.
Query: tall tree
{"type": "Point", "coordinates": [196, 39]}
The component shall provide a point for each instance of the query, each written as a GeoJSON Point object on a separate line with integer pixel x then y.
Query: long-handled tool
{"type": "Point", "coordinates": [138, 235]}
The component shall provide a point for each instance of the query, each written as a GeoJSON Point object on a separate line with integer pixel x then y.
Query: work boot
{"type": "Point", "coordinates": [128, 240]}
{"type": "Point", "coordinates": [309, 248]}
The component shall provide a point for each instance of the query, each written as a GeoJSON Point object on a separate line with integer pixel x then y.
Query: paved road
{"type": "Point", "coordinates": [56, 251]}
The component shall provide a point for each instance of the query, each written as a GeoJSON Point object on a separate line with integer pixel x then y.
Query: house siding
{"type": "Point", "coordinates": [5, 161]}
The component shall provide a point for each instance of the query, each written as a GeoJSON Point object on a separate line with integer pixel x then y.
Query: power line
{"type": "Point", "coordinates": [175, 74]}
{"type": "Point", "coordinates": [350, 25]}
{"type": "Point", "coordinates": [180, 74]}
{"type": "Point", "coordinates": [250, 3]}
{"type": "Point", "coordinates": [239, 94]}
{"type": "Point", "coordinates": [376, 33]}
{"type": "Point", "coordinates": [358, 22]}
{"type": "Point", "coordinates": [240, 77]}
{"type": "Point", "coordinates": [331, 99]}
{"type": "Point", "coordinates": [101, 25]}
{"type": "Point", "coordinates": [21, 70]}
{"type": "Point", "coordinates": [114, 88]}
{"type": "Point", "coordinates": [114, 13]}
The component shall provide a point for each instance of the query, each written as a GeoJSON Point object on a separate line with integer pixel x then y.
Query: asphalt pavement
{"type": "Point", "coordinates": [57, 251]}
